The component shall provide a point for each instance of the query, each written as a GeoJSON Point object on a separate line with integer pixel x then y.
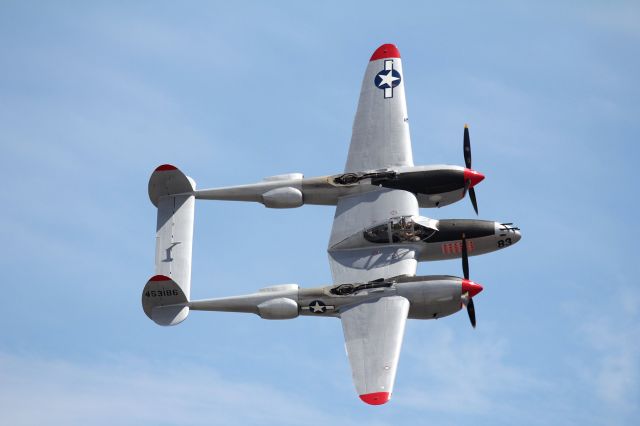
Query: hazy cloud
{"type": "Point", "coordinates": [127, 391]}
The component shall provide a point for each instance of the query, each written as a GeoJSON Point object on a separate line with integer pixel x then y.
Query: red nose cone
{"type": "Point", "coordinates": [376, 398]}
{"type": "Point", "coordinates": [473, 176]}
{"type": "Point", "coordinates": [471, 287]}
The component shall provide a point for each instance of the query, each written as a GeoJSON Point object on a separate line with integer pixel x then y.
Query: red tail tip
{"type": "Point", "coordinates": [165, 167]}
{"type": "Point", "coordinates": [473, 176]}
{"type": "Point", "coordinates": [385, 51]}
{"type": "Point", "coordinates": [376, 398]}
{"type": "Point", "coordinates": [159, 278]}
{"type": "Point", "coordinates": [471, 287]}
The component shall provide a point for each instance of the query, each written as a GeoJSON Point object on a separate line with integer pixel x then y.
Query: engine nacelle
{"type": "Point", "coordinates": [283, 198]}
{"type": "Point", "coordinates": [278, 309]}
{"type": "Point", "coordinates": [432, 297]}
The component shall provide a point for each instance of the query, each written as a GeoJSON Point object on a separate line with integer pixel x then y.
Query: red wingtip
{"type": "Point", "coordinates": [159, 278]}
{"type": "Point", "coordinates": [471, 287]}
{"type": "Point", "coordinates": [385, 51]}
{"type": "Point", "coordinates": [473, 176]}
{"type": "Point", "coordinates": [165, 167]}
{"type": "Point", "coordinates": [376, 398]}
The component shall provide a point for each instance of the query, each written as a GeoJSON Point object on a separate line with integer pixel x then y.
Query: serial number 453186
{"type": "Point", "coordinates": [160, 293]}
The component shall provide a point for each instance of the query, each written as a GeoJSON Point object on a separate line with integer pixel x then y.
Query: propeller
{"type": "Point", "coordinates": [468, 297]}
{"type": "Point", "coordinates": [471, 310]}
{"type": "Point", "coordinates": [465, 258]}
{"type": "Point", "coordinates": [467, 147]}
{"type": "Point", "coordinates": [467, 162]}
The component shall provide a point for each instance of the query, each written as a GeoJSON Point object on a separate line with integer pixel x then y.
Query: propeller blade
{"type": "Point", "coordinates": [472, 197]}
{"type": "Point", "coordinates": [471, 310]}
{"type": "Point", "coordinates": [465, 258]}
{"type": "Point", "coordinates": [467, 147]}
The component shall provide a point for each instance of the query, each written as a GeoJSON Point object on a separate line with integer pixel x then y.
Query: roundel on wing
{"type": "Point", "coordinates": [387, 79]}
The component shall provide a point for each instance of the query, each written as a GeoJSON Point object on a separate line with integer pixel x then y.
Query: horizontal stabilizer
{"type": "Point", "coordinates": [163, 301]}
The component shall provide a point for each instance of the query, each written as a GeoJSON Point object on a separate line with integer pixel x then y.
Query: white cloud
{"type": "Point", "coordinates": [613, 370]}
{"type": "Point", "coordinates": [607, 361]}
{"type": "Point", "coordinates": [465, 376]}
{"type": "Point", "coordinates": [37, 391]}
{"type": "Point", "coordinates": [617, 17]}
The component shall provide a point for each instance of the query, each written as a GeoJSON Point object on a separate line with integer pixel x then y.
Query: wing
{"type": "Point", "coordinates": [373, 336]}
{"type": "Point", "coordinates": [373, 331]}
{"type": "Point", "coordinates": [380, 136]}
{"type": "Point", "coordinates": [354, 214]}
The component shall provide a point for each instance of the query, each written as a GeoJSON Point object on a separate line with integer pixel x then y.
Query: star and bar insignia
{"type": "Point", "coordinates": [387, 79]}
{"type": "Point", "coordinates": [318, 307]}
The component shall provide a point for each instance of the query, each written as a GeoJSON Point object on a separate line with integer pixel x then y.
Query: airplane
{"type": "Point", "coordinates": [377, 238]}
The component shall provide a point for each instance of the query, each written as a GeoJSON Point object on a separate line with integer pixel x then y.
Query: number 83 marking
{"type": "Point", "coordinates": [504, 243]}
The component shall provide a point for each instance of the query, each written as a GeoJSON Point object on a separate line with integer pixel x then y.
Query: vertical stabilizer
{"type": "Point", "coordinates": [163, 301]}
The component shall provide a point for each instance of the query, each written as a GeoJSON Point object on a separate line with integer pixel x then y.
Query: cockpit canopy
{"type": "Point", "coordinates": [401, 229]}
{"type": "Point", "coordinates": [396, 230]}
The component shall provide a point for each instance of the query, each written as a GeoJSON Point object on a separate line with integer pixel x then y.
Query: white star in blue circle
{"type": "Point", "coordinates": [317, 307]}
{"type": "Point", "coordinates": [387, 79]}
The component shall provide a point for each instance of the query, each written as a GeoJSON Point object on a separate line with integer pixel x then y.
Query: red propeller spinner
{"type": "Point", "coordinates": [470, 287]}
{"type": "Point", "coordinates": [473, 176]}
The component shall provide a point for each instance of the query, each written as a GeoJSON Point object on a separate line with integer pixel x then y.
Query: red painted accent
{"type": "Point", "coordinates": [475, 177]}
{"type": "Point", "coordinates": [385, 51]}
{"type": "Point", "coordinates": [166, 167]}
{"type": "Point", "coordinates": [376, 398]}
{"type": "Point", "coordinates": [470, 287]}
{"type": "Point", "coordinates": [159, 278]}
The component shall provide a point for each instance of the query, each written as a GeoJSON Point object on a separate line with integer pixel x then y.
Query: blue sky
{"type": "Point", "coordinates": [94, 96]}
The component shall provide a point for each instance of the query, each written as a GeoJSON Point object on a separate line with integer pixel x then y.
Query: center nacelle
{"type": "Point", "coordinates": [433, 239]}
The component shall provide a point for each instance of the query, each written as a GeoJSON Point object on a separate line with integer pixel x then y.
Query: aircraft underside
{"type": "Point", "coordinates": [377, 238]}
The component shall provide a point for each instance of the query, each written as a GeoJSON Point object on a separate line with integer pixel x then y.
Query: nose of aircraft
{"type": "Point", "coordinates": [508, 233]}
{"type": "Point", "coordinates": [517, 236]}
{"type": "Point", "coordinates": [470, 287]}
{"type": "Point", "coordinates": [474, 176]}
